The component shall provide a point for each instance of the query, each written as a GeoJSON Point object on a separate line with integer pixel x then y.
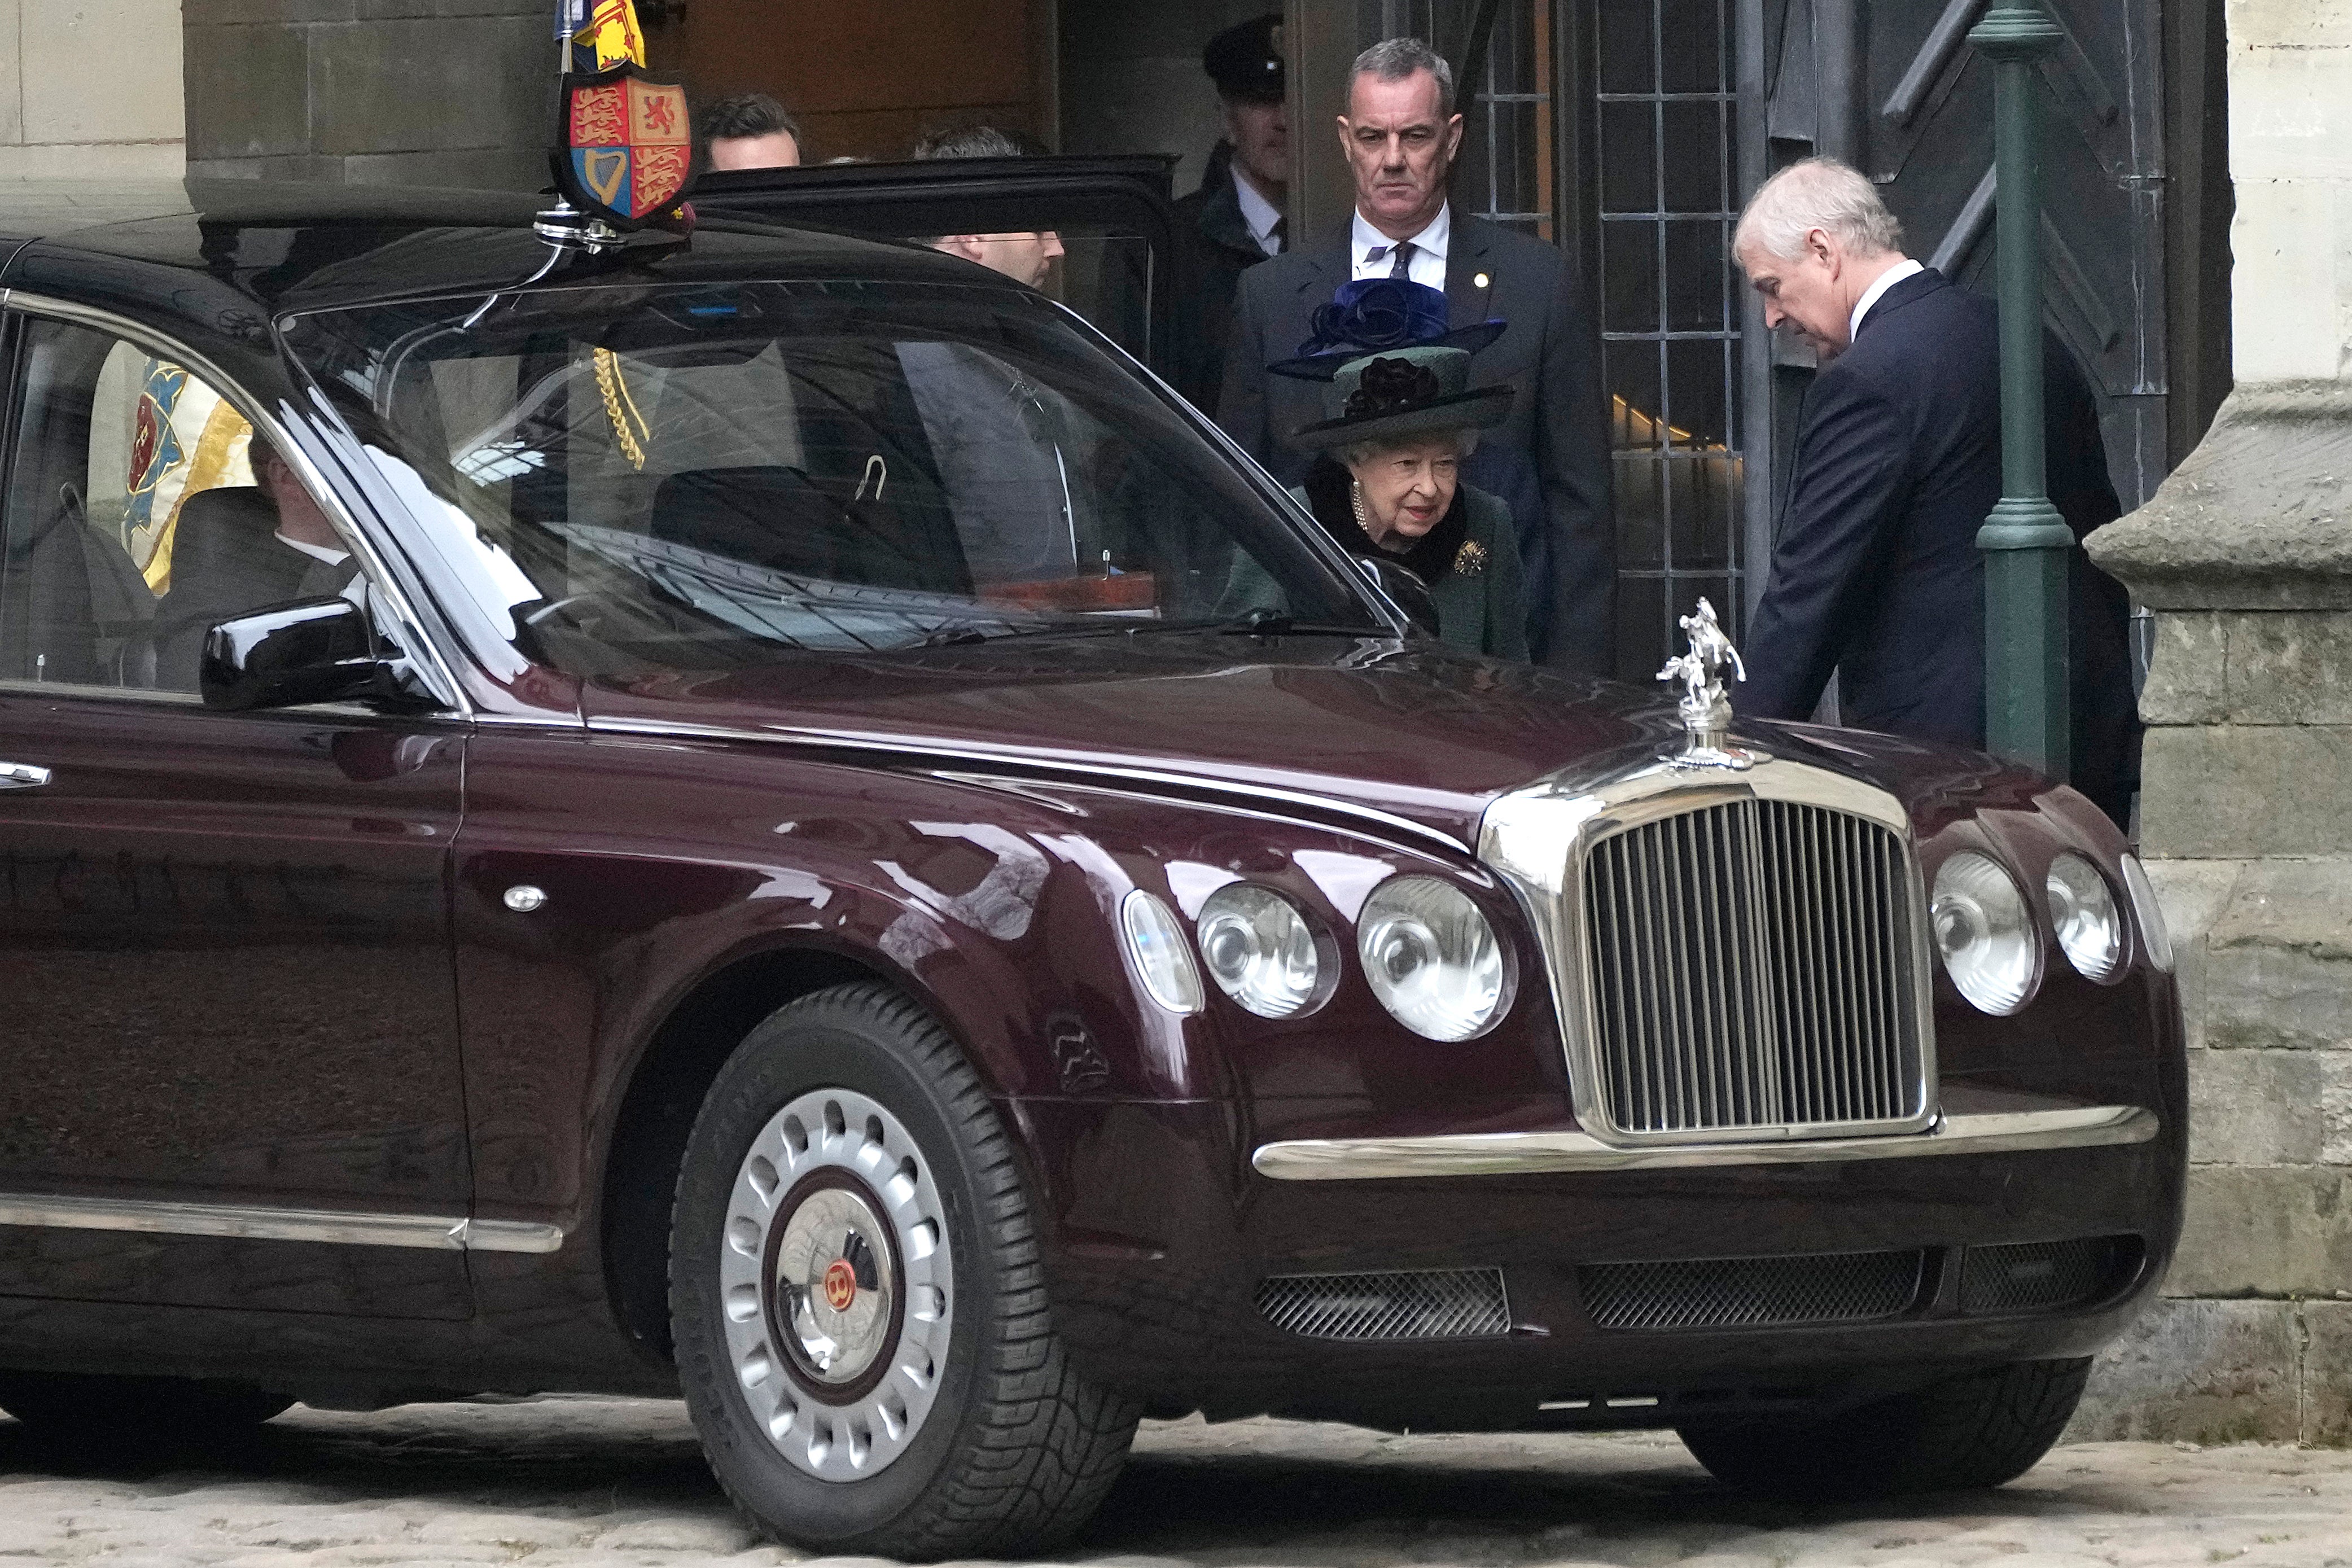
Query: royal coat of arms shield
{"type": "Point", "coordinates": [626, 152]}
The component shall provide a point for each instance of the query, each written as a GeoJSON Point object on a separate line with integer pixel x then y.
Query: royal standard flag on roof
{"type": "Point", "coordinates": [605, 33]}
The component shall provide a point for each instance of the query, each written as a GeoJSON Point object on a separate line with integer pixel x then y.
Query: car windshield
{"type": "Point", "coordinates": [702, 476]}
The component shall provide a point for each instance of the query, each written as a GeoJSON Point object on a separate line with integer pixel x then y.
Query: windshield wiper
{"type": "Point", "coordinates": [1256, 623]}
{"type": "Point", "coordinates": [962, 637]}
{"type": "Point", "coordinates": [1266, 623]}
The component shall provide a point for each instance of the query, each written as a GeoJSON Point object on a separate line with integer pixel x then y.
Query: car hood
{"type": "Point", "coordinates": [1407, 731]}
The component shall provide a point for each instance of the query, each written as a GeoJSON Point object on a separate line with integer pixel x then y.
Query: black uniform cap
{"type": "Point", "coordinates": [1245, 62]}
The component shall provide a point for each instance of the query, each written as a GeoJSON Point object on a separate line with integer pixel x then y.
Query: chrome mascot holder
{"type": "Point", "coordinates": [1705, 706]}
{"type": "Point", "coordinates": [565, 226]}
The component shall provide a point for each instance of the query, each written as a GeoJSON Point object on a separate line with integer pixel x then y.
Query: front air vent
{"type": "Point", "coordinates": [1753, 965]}
{"type": "Point", "coordinates": [1752, 1292]}
{"type": "Point", "coordinates": [1423, 1304]}
{"type": "Point", "coordinates": [2045, 1275]}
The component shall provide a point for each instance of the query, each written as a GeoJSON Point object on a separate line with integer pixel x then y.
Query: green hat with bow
{"type": "Point", "coordinates": [1402, 393]}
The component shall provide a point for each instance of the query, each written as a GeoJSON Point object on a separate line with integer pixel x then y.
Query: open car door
{"type": "Point", "coordinates": [1114, 216]}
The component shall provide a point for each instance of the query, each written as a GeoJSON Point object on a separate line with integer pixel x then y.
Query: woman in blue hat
{"type": "Point", "coordinates": [1386, 480]}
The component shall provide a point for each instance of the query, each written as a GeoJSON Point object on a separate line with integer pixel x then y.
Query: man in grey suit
{"type": "Point", "coordinates": [1550, 459]}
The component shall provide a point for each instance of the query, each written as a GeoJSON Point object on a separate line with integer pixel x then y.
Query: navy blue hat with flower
{"type": "Point", "coordinates": [1375, 314]}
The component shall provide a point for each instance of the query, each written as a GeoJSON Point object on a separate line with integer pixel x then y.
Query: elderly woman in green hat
{"type": "Point", "coordinates": [1386, 480]}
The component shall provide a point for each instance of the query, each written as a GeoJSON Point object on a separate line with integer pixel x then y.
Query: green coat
{"type": "Point", "coordinates": [1483, 612]}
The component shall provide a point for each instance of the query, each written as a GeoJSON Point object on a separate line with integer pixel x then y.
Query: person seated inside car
{"type": "Point", "coordinates": [236, 549]}
{"type": "Point", "coordinates": [1387, 483]}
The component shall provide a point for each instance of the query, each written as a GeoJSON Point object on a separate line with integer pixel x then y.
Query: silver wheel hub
{"type": "Point", "coordinates": [837, 1284]}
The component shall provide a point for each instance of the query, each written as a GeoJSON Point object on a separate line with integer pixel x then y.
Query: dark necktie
{"type": "Point", "coordinates": [1280, 235]}
{"type": "Point", "coordinates": [1403, 254]}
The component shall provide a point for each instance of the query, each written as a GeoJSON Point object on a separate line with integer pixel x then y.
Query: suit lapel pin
{"type": "Point", "coordinates": [1471, 559]}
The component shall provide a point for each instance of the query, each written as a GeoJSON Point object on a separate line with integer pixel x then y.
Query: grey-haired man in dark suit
{"type": "Point", "coordinates": [1550, 460]}
{"type": "Point", "coordinates": [1876, 572]}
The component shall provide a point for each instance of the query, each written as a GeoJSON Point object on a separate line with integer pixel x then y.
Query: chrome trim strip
{"type": "Point", "coordinates": [1076, 768]}
{"type": "Point", "coordinates": [491, 719]}
{"type": "Point", "coordinates": [426, 650]}
{"type": "Point", "coordinates": [1536, 1154]}
{"type": "Point", "coordinates": [1537, 839]}
{"type": "Point", "coordinates": [259, 1223]}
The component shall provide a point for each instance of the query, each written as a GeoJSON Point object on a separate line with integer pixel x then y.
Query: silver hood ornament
{"type": "Point", "coordinates": [1705, 707]}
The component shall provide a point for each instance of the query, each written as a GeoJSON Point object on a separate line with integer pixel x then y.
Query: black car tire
{"type": "Point", "coordinates": [1976, 1430]}
{"type": "Point", "coordinates": [1014, 1450]}
{"type": "Point", "coordinates": [139, 1410]}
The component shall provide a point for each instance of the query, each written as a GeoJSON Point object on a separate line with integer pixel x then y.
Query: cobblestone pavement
{"type": "Point", "coordinates": [612, 1482]}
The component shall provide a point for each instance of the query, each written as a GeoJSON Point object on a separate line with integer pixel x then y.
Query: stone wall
{"type": "Point", "coordinates": [91, 91]}
{"type": "Point", "coordinates": [428, 92]}
{"type": "Point", "coordinates": [2245, 554]}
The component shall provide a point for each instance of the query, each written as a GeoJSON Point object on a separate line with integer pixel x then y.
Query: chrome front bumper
{"type": "Point", "coordinates": [1533, 1153]}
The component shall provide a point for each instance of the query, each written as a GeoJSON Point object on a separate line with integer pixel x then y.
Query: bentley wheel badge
{"type": "Point", "coordinates": [1705, 707]}
{"type": "Point", "coordinates": [840, 1285]}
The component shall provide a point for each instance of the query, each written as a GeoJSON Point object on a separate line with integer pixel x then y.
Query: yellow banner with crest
{"type": "Point", "coordinates": [606, 35]}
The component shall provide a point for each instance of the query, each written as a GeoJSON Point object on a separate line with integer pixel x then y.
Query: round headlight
{"type": "Point", "coordinates": [1984, 932]}
{"type": "Point", "coordinates": [2154, 936]}
{"type": "Point", "coordinates": [1155, 943]}
{"type": "Point", "coordinates": [2083, 912]}
{"type": "Point", "coordinates": [1259, 948]}
{"type": "Point", "coordinates": [1431, 957]}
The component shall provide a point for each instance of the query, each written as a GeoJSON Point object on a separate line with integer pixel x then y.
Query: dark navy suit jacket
{"type": "Point", "coordinates": [1549, 462]}
{"type": "Point", "coordinates": [1213, 248]}
{"type": "Point", "coordinates": [1876, 572]}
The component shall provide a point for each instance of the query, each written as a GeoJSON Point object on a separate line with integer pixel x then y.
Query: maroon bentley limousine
{"type": "Point", "coordinates": [690, 818]}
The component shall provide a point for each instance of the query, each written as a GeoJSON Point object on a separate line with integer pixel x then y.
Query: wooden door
{"type": "Point", "coordinates": [865, 79]}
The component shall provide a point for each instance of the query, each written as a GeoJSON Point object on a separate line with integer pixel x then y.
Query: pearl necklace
{"type": "Point", "coordinates": [1364, 519]}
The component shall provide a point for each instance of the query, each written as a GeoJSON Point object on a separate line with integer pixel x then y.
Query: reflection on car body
{"type": "Point", "coordinates": [733, 908]}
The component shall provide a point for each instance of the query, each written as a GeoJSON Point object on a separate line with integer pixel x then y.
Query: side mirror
{"type": "Point", "coordinates": [1404, 589]}
{"type": "Point", "coordinates": [310, 651]}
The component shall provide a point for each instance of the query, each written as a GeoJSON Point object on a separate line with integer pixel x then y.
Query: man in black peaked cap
{"type": "Point", "coordinates": [1235, 219]}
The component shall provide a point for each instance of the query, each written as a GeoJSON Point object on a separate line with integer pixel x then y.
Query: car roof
{"type": "Point", "coordinates": [288, 245]}
{"type": "Point", "coordinates": [117, 216]}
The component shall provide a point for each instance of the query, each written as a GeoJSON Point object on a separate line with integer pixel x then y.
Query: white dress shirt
{"type": "Point", "coordinates": [1369, 250]}
{"type": "Point", "coordinates": [315, 551]}
{"type": "Point", "coordinates": [357, 590]}
{"type": "Point", "coordinates": [1259, 216]}
{"type": "Point", "coordinates": [1906, 268]}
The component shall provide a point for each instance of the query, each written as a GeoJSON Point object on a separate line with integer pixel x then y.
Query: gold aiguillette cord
{"type": "Point", "coordinates": [630, 430]}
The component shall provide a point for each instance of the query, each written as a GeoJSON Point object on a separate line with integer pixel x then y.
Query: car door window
{"type": "Point", "coordinates": [140, 512]}
{"type": "Point", "coordinates": [1104, 275]}
{"type": "Point", "coordinates": [1105, 231]}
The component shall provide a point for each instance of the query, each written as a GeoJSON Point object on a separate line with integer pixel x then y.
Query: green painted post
{"type": "Point", "coordinates": [2025, 541]}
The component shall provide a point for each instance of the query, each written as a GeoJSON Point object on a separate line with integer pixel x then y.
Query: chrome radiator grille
{"type": "Point", "coordinates": [1750, 964]}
